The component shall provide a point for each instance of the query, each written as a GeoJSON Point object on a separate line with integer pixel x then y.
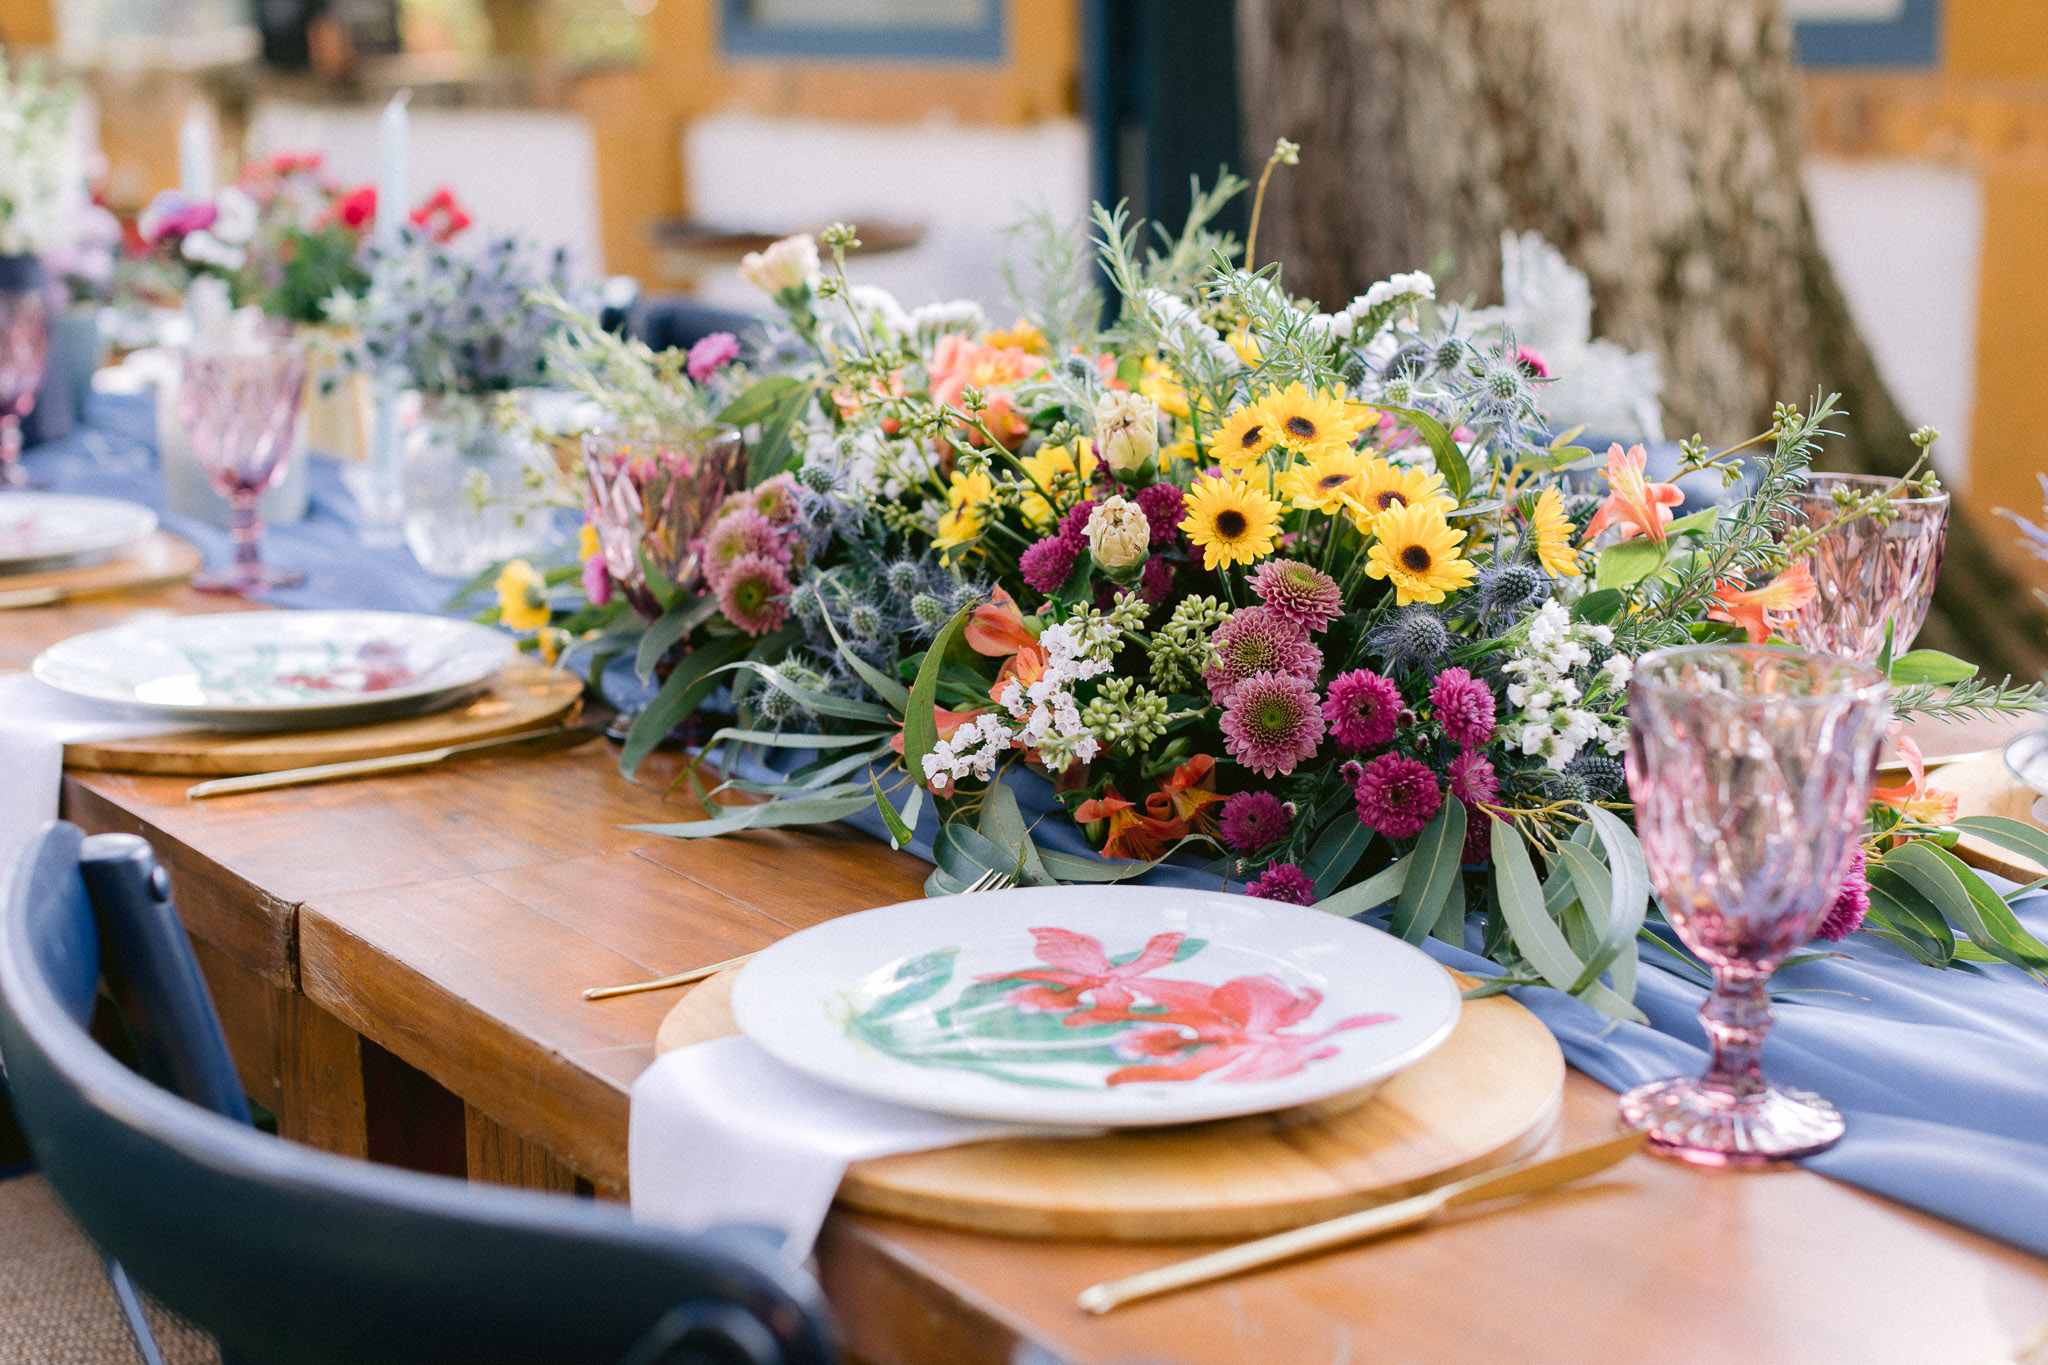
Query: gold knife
{"type": "Point", "coordinates": [1528, 1177]}
{"type": "Point", "coordinates": [540, 741]}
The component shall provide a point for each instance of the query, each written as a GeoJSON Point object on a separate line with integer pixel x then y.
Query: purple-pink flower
{"type": "Point", "coordinates": [1532, 362]}
{"type": "Point", "coordinates": [754, 594]}
{"type": "Point", "coordinates": [1364, 710]}
{"type": "Point", "coordinates": [1463, 706]}
{"type": "Point", "coordinates": [1253, 820]}
{"type": "Point", "coordinates": [710, 353]}
{"type": "Point", "coordinates": [1259, 640]}
{"type": "Point", "coordinates": [1284, 882]}
{"type": "Point", "coordinates": [1271, 723]}
{"type": "Point", "coordinates": [1474, 782]}
{"type": "Point", "coordinates": [1397, 796]}
{"type": "Point", "coordinates": [1852, 902]}
{"type": "Point", "coordinates": [1155, 580]}
{"type": "Point", "coordinates": [1045, 566]}
{"type": "Point", "coordinates": [1300, 592]}
{"type": "Point", "coordinates": [736, 535]}
{"type": "Point", "coordinates": [597, 581]}
{"type": "Point", "coordinates": [1074, 525]}
{"type": "Point", "coordinates": [1165, 508]}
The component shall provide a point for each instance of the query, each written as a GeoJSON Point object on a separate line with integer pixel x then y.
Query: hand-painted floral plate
{"type": "Point", "coordinates": [278, 669]}
{"type": "Point", "coordinates": [45, 530]}
{"type": "Point", "coordinates": [1096, 1006]}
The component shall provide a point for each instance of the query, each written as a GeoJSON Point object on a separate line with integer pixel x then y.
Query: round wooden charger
{"type": "Point", "coordinates": [1985, 786]}
{"type": "Point", "coordinates": [526, 696]}
{"type": "Point", "coordinates": [156, 559]}
{"type": "Point", "coordinates": [1488, 1096]}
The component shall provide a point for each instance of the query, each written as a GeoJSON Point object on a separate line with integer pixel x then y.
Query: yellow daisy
{"type": "Point", "coordinates": [1063, 473]}
{"type": "Point", "coordinates": [1418, 551]}
{"type": "Point", "coordinates": [1161, 386]}
{"type": "Point", "coordinates": [1180, 452]}
{"type": "Point", "coordinates": [1553, 534]}
{"type": "Point", "coordinates": [522, 596]}
{"type": "Point", "coordinates": [1233, 521]}
{"type": "Point", "coordinates": [966, 495]}
{"type": "Point", "coordinates": [1024, 336]}
{"type": "Point", "coordinates": [1327, 481]}
{"type": "Point", "coordinates": [1242, 438]}
{"type": "Point", "coordinates": [1388, 486]}
{"type": "Point", "coordinates": [1246, 346]}
{"type": "Point", "coordinates": [1309, 424]}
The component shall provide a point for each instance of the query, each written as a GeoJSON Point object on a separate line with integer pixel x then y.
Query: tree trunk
{"type": "Point", "coordinates": [1657, 145]}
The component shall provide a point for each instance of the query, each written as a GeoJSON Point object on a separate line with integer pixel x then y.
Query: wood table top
{"type": "Point", "coordinates": [453, 917]}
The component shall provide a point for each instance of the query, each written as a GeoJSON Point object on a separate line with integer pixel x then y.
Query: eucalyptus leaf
{"type": "Point", "coordinates": [1002, 820]}
{"type": "Point", "coordinates": [694, 678]}
{"type": "Point", "coordinates": [884, 686]}
{"type": "Point", "coordinates": [780, 739]}
{"type": "Point", "coordinates": [1370, 894]}
{"type": "Point", "coordinates": [823, 703]}
{"type": "Point", "coordinates": [1521, 902]}
{"type": "Point", "coordinates": [899, 832]}
{"type": "Point", "coordinates": [920, 725]}
{"type": "Point", "coordinates": [767, 815]}
{"type": "Point", "coordinates": [2015, 836]}
{"type": "Point", "coordinates": [673, 626]}
{"type": "Point", "coordinates": [1430, 875]}
{"type": "Point", "coordinates": [1450, 461]}
{"type": "Point", "coordinates": [1337, 850]}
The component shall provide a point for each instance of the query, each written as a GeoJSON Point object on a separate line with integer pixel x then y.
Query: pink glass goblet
{"type": "Point", "coordinates": [1870, 571]}
{"type": "Point", "coordinates": [1750, 768]}
{"type": "Point", "coordinates": [24, 351]}
{"type": "Point", "coordinates": [240, 403]}
{"type": "Point", "coordinates": [651, 498]}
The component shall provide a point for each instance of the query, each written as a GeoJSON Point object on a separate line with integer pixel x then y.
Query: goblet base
{"type": "Point", "coordinates": [1711, 1126]}
{"type": "Point", "coordinates": [246, 579]}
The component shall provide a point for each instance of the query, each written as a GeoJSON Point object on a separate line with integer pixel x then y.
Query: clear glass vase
{"type": "Point", "coordinates": [469, 500]}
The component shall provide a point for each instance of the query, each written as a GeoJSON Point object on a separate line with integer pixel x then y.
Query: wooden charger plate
{"type": "Point", "coordinates": [157, 559]}
{"type": "Point", "coordinates": [1985, 786]}
{"type": "Point", "coordinates": [526, 695]}
{"type": "Point", "coordinates": [1488, 1096]}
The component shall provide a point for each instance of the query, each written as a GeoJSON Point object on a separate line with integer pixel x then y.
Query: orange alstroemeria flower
{"type": "Point", "coordinates": [1186, 795]}
{"type": "Point", "coordinates": [1917, 801]}
{"type": "Point", "coordinates": [996, 628]}
{"type": "Point", "coordinates": [1763, 611]}
{"type": "Point", "coordinates": [1637, 506]}
{"type": "Point", "coordinates": [949, 721]}
{"type": "Point", "coordinates": [1026, 666]}
{"type": "Point", "coordinates": [1131, 835]}
{"type": "Point", "coordinates": [958, 363]}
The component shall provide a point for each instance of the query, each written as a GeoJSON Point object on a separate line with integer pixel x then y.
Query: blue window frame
{"type": "Point", "coordinates": [957, 31]}
{"type": "Point", "coordinates": [1909, 36]}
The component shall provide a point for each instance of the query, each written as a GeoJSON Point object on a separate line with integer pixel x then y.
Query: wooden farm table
{"type": "Point", "coordinates": [398, 963]}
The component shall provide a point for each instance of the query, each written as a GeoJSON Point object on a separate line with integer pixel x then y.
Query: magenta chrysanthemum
{"type": "Point", "coordinates": [1045, 566]}
{"type": "Point", "coordinates": [1303, 594]}
{"type": "Point", "coordinates": [1284, 882]}
{"type": "Point", "coordinates": [1073, 527]}
{"type": "Point", "coordinates": [1363, 709]}
{"type": "Point", "coordinates": [1478, 836]}
{"type": "Point", "coordinates": [1473, 779]}
{"type": "Point", "coordinates": [1165, 508]}
{"type": "Point", "coordinates": [754, 593]}
{"type": "Point", "coordinates": [1398, 796]}
{"type": "Point", "coordinates": [1252, 820]}
{"type": "Point", "coordinates": [1271, 723]}
{"type": "Point", "coordinates": [710, 354]}
{"type": "Point", "coordinates": [1155, 580]}
{"type": "Point", "coordinates": [1463, 706]}
{"type": "Point", "coordinates": [736, 535]}
{"type": "Point", "coordinates": [1852, 902]}
{"type": "Point", "coordinates": [1258, 640]}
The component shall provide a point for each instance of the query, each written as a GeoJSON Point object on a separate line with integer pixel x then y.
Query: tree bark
{"type": "Point", "coordinates": [1658, 146]}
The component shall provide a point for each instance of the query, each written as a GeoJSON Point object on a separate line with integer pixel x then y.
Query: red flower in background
{"type": "Point", "coordinates": [441, 217]}
{"type": "Point", "coordinates": [1077, 966]}
{"type": "Point", "coordinates": [357, 209]}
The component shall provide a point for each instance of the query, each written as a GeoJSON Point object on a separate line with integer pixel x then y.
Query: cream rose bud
{"type": "Point", "coordinates": [1126, 429]}
{"type": "Point", "coordinates": [1119, 537]}
{"type": "Point", "coordinates": [791, 263]}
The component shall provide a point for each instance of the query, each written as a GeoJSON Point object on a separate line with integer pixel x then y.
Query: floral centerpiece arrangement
{"type": "Point", "coordinates": [42, 179]}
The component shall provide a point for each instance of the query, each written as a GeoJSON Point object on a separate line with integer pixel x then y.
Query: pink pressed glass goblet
{"type": "Point", "coordinates": [651, 497]}
{"type": "Point", "coordinates": [24, 351]}
{"type": "Point", "coordinates": [1869, 573]}
{"type": "Point", "coordinates": [240, 402]}
{"type": "Point", "coordinates": [1750, 768]}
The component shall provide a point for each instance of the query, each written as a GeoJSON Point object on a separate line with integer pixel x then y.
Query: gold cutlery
{"type": "Point", "coordinates": [540, 741]}
{"type": "Point", "coordinates": [1524, 1178]}
{"type": "Point", "coordinates": [987, 881]}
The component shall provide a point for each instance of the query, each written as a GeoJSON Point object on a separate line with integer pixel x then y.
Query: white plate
{"type": "Point", "coordinates": [1095, 1006]}
{"type": "Point", "coordinates": [278, 669]}
{"type": "Point", "coordinates": [40, 529]}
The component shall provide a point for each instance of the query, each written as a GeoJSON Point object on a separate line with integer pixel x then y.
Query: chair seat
{"type": "Point", "coordinates": [55, 1306]}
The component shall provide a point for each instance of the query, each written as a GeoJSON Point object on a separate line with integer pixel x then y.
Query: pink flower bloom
{"type": "Point", "coordinates": [1258, 640]}
{"type": "Point", "coordinates": [1852, 902]}
{"type": "Point", "coordinates": [1271, 723]}
{"type": "Point", "coordinates": [1237, 1031]}
{"type": "Point", "coordinates": [1397, 796]}
{"type": "Point", "coordinates": [1165, 508]}
{"type": "Point", "coordinates": [1076, 967]}
{"type": "Point", "coordinates": [1252, 820]}
{"type": "Point", "coordinates": [1532, 362]}
{"type": "Point", "coordinates": [736, 535]}
{"type": "Point", "coordinates": [753, 594]}
{"type": "Point", "coordinates": [1473, 778]}
{"type": "Point", "coordinates": [1155, 580]}
{"type": "Point", "coordinates": [1463, 706]}
{"type": "Point", "coordinates": [774, 499]}
{"type": "Point", "coordinates": [1304, 595]}
{"type": "Point", "coordinates": [1073, 527]}
{"type": "Point", "coordinates": [1284, 882]}
{"type": "Point", "coordinates": [710, 354]}
{"type": "Point", "coordinates": [597, 581]}
{"type": "Point", "coordinates": [1478, 836]}
{"type": "Point", "coordinates": [1364, 710]}
{"type": "Point", "coordinates": [1047, 564]}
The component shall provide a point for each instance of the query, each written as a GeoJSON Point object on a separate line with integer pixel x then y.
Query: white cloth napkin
{"type": "Point", "coordinates": [36, 722]}
{"type": "Point", "coordinates": [723, 1133]}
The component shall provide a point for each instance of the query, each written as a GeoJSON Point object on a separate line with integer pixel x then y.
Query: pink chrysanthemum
{"type": "Point", "coordinates": [1258, 640]}
{"type": "Point", "coordinates": [1463, 706]}
{"type": "Point", "coordinates": [736, 535]}
{"type": "Point", "coordinates": [1045, 566]}
{"type": "Point", "coordinates": [1363, 709]}
{"type": "Point", "coordinates": [1398, 796]}
{"type": "Point", "coordinates": [775, 498]}
{"type": "Point", "coordinates": [1074, 525]}
{"type": "Point", "coordinates": [1852, 903]}
{"type": "Point", "coordinates": [1165, 508]}
{"type": "Point", "coordinates": [1252, 820]}
{"type": "Point", "coordinates": [1271, 723]}
{"type": "Point", "coordinates": [1532, 362]}
{"type": "Point", "coordinates": [1473, 779]}
{"type": "Point", "coordinates": [1155, 580]}
{"type": "Point", "coordinates": [1303, 594]}
{"type": "Point", "coordinates": [710, 354]}
{"type": "Point", "coordinates": [1284, 882]}
{"type": "Point", "coordinates": [754, 594]}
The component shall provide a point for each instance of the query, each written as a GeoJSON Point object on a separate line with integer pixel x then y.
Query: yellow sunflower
{"type": "Point", "coordinates": [1064, 471]}
{"type": "Point", "coordinates": [1387, 487]}
{"type": "Point", "coordinates": [1242, 438]}
{"type": "Point", "coordinates": [1418, 551]}
{"type": "Point", "coordinates": [1553, 534]}
{"type": "Point", "coordinates": [522, 596]}
{"type": "Point", "coordinates": [966, 495]}
{"type": "Point", "coordinates": [1327, 481]}
{"type": "Point", "coordinates": [1161, 386]}
{"type": "Point", "coordinates": [1310, 423]}
{"type": "Point", "coordinates": [1233, 521]}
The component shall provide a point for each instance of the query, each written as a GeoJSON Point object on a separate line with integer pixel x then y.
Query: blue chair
{"type": "Point", "coordinates": [287, 1254]}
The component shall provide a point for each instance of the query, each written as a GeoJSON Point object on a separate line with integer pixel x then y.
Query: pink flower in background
{"type": "Point", "coordinates": [1258, 640]}
{"type": "Point", "coordinates": [1473, 779]}
{"type": "Point", "coordinates": [597, 581]}
{"type": "Point", "coordinates": [1076, 966]}
{"type": "Point", "coordinates": [1463, 706]}
{"type": "Point", "coordinates": [1852, 902]}
{"type": "Point", "coordinates": [1155, 580]}
{"type": "Point", "coordinates": [1397, 796]}
{"type": "Point", "coordinates": [1252, 820]}
{"type": "Point", "coordinates": [753, 594]}
{"type": "Point", "coordinates": [1236, 1033]}
{"type": "Point", "coordinates": [1363, 709]}
{"type": "Point", "coordinates": [737, 534]}
{"type": "Point", "coordinates": [171, 214]}
{"type": "Point", "coordinates": [1304, 595]}
{"type": "Point", "coordinates": [1047, 564]}
{"type": "Point", "coordinates": [1532, 362]}
{"type": "Point", "coordinates": [1271, 723]}
{"type": "Point", "coordinates": [710, 354]}
{"type": "Point", "coordinates": [1284, 882]}
{"type": "Point", "coordinates": [1165, 507]}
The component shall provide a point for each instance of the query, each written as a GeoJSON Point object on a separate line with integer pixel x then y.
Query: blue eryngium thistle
{"type": "Point", "coordinates": [1411, 636]}
{"type": "Point", "coordinates": [904, 577]}
{"type": "Point", "coordinates": [1604, 778]}
{"type": "Point", "coordinates": [1507, 590]}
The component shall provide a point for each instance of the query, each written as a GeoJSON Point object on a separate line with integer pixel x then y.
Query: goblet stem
{"type": "Point", "coordinates": [11, 473]}
{"type": "Point", "coordinates": [247, 529]}
{"type": "Point", "coordinates": [1736, 1016]}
